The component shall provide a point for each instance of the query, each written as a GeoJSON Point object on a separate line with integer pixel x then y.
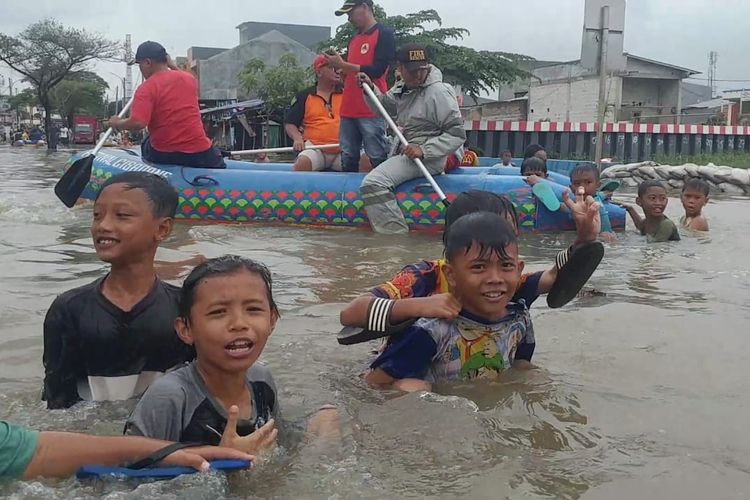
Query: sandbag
{"type": "Point", "coordinates": [741, 176]}
{"type": "Point", "coordinates": [728, 188]}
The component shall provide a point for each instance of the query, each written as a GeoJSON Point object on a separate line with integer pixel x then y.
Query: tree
{"type": "Point", "coordinates": [475, 71]}
{"type": "Point", "coordinates": [79, 92]}
{"type": "Point", "coordinates": [276, 85]}
{"type": "Point", "coordinates": [23, 100]}
{"type": "Point", "coordinates": [46, 52]}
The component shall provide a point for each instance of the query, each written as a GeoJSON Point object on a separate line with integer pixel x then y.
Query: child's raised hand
{"type": "Point", "coordinates": [585, 213]}
{"type": "Point", "coordinates": [533, 179]}
{"type": "Point", "coordinates": [442, 305]}
{"type": "Point", "coordinates": [262, 439]}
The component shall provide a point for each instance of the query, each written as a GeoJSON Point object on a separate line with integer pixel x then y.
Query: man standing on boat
{"type": "Point", "coordinates": [371, 52]}
{"type": "Point", "coordinates": [427, 111]}
{"type": "Point", "coordinates": [314, 117]}
{"type": "Point", "coordinates": [167, 103]}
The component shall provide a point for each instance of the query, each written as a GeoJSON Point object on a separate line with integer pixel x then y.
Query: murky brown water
{"type": "Point", "coordinates": [641, 394]}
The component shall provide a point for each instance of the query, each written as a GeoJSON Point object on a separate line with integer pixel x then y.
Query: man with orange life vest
{"type": "Point", "coordinates": [370, 51]}
{"type": "Point", "coordinates": [313, 119]}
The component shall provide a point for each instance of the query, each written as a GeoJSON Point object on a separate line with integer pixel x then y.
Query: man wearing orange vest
{"type": "Point", "coordinates": [371, 51]}
{"type": "Point", "coordinates": [313, 119]}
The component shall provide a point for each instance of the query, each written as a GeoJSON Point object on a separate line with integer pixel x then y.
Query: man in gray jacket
{"type": "Point", "coordinates": [426, 109]}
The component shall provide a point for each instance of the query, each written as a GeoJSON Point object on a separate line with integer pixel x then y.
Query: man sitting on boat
{"type": "Point", "coordinates": [427, 111]}
{"type": "Point", "coordinates": [314, 118]}
{"type": "Point", "coordinates": [167, 103]}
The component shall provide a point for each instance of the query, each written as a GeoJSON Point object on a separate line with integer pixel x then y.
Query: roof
{"type": "Point", "coordinates": [711, 103]}
{"type": "Point", "coordinates": [262, 23]}
{"type": "Point", "coordinates": [236, 107]}
{"type": "Point", "coordinates": [659, 63]}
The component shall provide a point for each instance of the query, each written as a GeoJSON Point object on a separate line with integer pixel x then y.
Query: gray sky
{"type": "Point", "coordinates": [679, 32]}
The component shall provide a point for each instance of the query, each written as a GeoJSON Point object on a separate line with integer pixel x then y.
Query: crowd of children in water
{"type": "Point", "coordinates": [191, 352]}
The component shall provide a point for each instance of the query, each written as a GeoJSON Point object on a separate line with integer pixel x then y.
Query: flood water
{"type": "Point", "coordinates": [640, 393]}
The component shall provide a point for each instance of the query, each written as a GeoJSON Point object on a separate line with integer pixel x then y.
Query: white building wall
{"type": "Point", "coordinates": [574, 101]}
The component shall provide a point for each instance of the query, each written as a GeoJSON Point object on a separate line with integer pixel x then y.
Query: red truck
{"type": "Point", "coordinates": [85, 129]}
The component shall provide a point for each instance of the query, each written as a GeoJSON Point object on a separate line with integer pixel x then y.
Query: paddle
{"type": "Point", "coordinates": [281, 150]}
{"type": "Point", "coordinates": [74, 181]}
{"type": "Point", "coordinates": [371, 94]}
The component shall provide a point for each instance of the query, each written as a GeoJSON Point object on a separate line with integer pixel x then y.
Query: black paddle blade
{"type": "Point", "coordinates": [74, 181]}
{"type": "Point", "coordinates": [575, 273]}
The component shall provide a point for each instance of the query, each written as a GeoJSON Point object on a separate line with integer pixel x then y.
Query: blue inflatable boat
{"type": "Point", "coordinates": [247, 192]}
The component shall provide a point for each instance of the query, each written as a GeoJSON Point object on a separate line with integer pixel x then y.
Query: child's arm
{"type": "Point", "coordinates": [442, 305]}
{"type": "Point", "coordinates": [60, 359]}
{"type": "Point", "coordinates": [633, 212]}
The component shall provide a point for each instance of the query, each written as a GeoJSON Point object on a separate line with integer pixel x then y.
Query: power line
{"type": "Point", "coordinates": [718, 79]}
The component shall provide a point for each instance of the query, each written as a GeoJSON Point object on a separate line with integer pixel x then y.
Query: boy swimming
{"type": "Point", "coordinates": [227, 312]}
{"type": "Point", "coordinates": [652, 197]}
{"type": "Point", "coordinates": [110, 339]}
{"type": "Point", "coordinates": [484, 270]}
{"type": "Point", "coordinates": [694, 197]}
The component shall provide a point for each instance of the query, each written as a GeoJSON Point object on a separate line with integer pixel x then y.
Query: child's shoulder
{"type": "Point", "coordinates": [260, 373]}
{"type": "Point", "coordinates": [177, 381]}
{"type": "Point", "coordinates": [74, 295]}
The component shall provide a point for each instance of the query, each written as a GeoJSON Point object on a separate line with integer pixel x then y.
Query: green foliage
{"type": "Point", "coordinates": [276, 85]}
{"type": "Point", "coordinates": [47, 52]}
{"type": "Point", "coordinates": [729, 159]}
{"type": "Point", "coordinates": [81, 92]}
{"type": "Point", "coordinates": [475, 71]}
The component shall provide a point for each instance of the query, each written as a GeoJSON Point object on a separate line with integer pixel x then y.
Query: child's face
{"type": "Point", "coordinates": [653, 201]}
{"type": "Point", "coordinates": [587, 180]}
{"type": "Point", "coordinates": [485, 283]}
{"type": "Point", "coordinates": [230, 321]}
{"type": "Point", "coordinates": [506, 157]}
{"type": "Point", "coordinates": [693, 202]}
{"type": "Point", "coordinates": [538, 173]}
{"type": "Point", "coordinates": [124, 228]}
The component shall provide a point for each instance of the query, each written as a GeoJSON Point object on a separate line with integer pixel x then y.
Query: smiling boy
{"type": "Point", "coordinates": [484, 271]}
{"type": "Point", "coordinates": [652, 197]}
{"type": "Point", "coordinates": [110, 339]}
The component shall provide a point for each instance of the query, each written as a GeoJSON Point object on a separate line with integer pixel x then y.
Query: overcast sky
{"type": "Point", "coordinates": [679, 32]}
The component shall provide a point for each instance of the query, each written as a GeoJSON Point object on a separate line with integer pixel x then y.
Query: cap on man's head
{"type": "Point", "coordinates": [150, 50]}
{"type": "Point", "coordinates": [413, 56]}
{"type": "Point", "coordinates": [319, 62]}
{"type": "Point", "coordinates": [350, 4]}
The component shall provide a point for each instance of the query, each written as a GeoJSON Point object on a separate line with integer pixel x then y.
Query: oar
{"type": "Point", "coordinates": [74, 181]}
{"type": "Point", "coordinates": [371, 94]}
{"type": "Point", "coordinates": [281, 150]}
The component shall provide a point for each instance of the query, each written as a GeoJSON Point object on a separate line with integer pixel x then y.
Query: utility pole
{"type": "Point", "coordinates": [602, 108]}
{"type": "Point", "coordinates": [713, 58]}
{"type": "Point", "coordinates": [127, 84]}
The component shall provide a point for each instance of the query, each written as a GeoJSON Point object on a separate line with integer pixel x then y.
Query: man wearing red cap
{"type": "Point", "coordinates": [167, 103]}
{"type": "Point", "coordinates": [371, 51]}
{"type": "Point", "coordinates": [314, 117]}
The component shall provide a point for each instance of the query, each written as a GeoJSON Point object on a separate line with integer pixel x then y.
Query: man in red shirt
{"type": "Point", "coordinates": [167, 103]}
{"type": "Point", "coordinates": [370, 51]}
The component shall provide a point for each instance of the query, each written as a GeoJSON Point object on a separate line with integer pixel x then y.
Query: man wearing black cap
{"type": "Point", "coordinates": [426, 110]}
{"type": "Point", "coordinates": [167, 103]}
{"type": "Point", "coordinates": [370, 51]}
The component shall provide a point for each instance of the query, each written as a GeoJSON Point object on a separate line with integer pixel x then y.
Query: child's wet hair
{"type": "Point", "coordinates": [583, 168]}
{"type": "Point", "coordinates": [533, 164]}
{"type": "Point", "coordinates": [697, 185]}
{"type": "Point", "coordinates": [161, 194]}
{"type": "Point", "coordinates": [479, 201]}
{"type": "Point", "coordinates": [504, 151]}
{"type": "Point", "coordinates": [531, 150]}
{"type": "Point", "coordinates": [646, 185]}
{"type": "Point", "coordinates": [223, 266]}
{"type": "Point", "coordinates": [489, 231]}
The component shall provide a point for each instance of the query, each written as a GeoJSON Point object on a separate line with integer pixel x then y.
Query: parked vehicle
{"type": "Point", "coordinates": [85, 129]}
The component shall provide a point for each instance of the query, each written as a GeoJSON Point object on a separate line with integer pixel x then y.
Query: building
{"type": "Point", "coordinates": [217, 69]}
{"type": "Point", "coordinates": [636, 88]}
{"type": "Point", "coordinates": [644, 90]}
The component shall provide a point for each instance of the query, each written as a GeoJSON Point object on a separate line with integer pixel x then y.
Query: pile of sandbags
{"type": "Point", "coordinates": [722, 179]}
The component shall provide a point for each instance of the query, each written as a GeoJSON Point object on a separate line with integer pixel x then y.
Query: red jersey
{"type": "Point", "coordinates": [167, 103]}
{"type": "Point", "coordinates": [373, 51]}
